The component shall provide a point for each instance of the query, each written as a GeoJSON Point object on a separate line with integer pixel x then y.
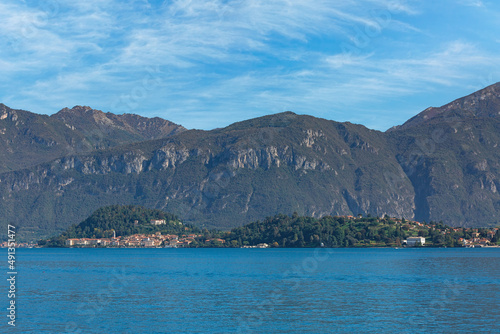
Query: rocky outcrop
{"type": "Point", "coordinates": [28, 139]}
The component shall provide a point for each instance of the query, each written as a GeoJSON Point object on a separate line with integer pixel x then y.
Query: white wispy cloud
{"type": "Point", "coordinates": [218, 57]}
{"type": "Point", "coordinates": [472, 3]}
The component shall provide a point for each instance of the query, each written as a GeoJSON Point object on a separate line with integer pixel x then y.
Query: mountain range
{"type": "Point", "coordinates": [442, 165]}
{"type": "Point", "coordinates": [28, 139]}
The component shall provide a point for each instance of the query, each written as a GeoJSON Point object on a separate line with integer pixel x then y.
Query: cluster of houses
{"type": "Point", "coordinates": [477, 241]}
{"type": "Point", "coordinates": [136, 240]}
{"type": "Point", "coordinates": [5, 244]}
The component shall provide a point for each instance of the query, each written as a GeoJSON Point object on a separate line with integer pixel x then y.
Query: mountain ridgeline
{"type": "Point", "coordinates": [441, 165]}
{"type": "Point", "coordinates": [28, 139]}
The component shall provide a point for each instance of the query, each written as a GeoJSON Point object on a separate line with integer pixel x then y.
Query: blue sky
{"type": "Point", "coordinates": [206, 64]}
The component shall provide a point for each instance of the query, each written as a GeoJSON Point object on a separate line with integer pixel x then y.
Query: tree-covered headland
{"type": "Point", "coordinates": [293, 231]}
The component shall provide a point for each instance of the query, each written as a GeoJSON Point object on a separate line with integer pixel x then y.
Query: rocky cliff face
{"type": "Point", "coordinates": [222, 178]}
{"type": "Point", "coordinates": [451, 156]}
{"type": "Point", "coordinates": [97, 124]}
{"type": "Point", "coordinates": [445, 166]}
{"type": "Point", "coordinates": [28, 139]}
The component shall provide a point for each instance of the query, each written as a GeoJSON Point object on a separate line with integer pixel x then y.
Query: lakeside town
{"type": "Point", "coordinates": [157, 240]}
{"type": "Point", "coordinates": [417, 233]}
{"type": "Point", "coordinates": [139, 240]}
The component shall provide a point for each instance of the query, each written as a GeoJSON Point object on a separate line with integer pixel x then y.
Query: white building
{"type": "Point", "coordinates": [147, 242]}
{"type": "Point", "coordinates": [71, 242]}
{"type": "Point", "coordinates": [158, 221]}
{"type": "Point", "coordinates": [413, 241]}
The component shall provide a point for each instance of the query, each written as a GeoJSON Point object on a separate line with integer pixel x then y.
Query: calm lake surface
{"type": "Point", "coordinates": [256, 290]}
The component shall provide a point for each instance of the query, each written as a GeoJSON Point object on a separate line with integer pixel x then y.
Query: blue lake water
{"type": "Point", "coordinates": [256, 291]}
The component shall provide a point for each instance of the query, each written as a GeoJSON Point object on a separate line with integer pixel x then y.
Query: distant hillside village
{"type": "Point", "coordinates": [5, 244]}
{"type": "Point", "coordinates": [136, 240]}
{"type": "Point", "coordinates": [289, 231]}
{"type": "Point", "coordinates": [156, 239]}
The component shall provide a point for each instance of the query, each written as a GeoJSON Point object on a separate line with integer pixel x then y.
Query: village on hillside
{"type": "Point", "coordinates": [137, 240]}
{"type": "Point", "coordinates": [417, 233]}
{"type": "Point", "coordinates": [152, 240]}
